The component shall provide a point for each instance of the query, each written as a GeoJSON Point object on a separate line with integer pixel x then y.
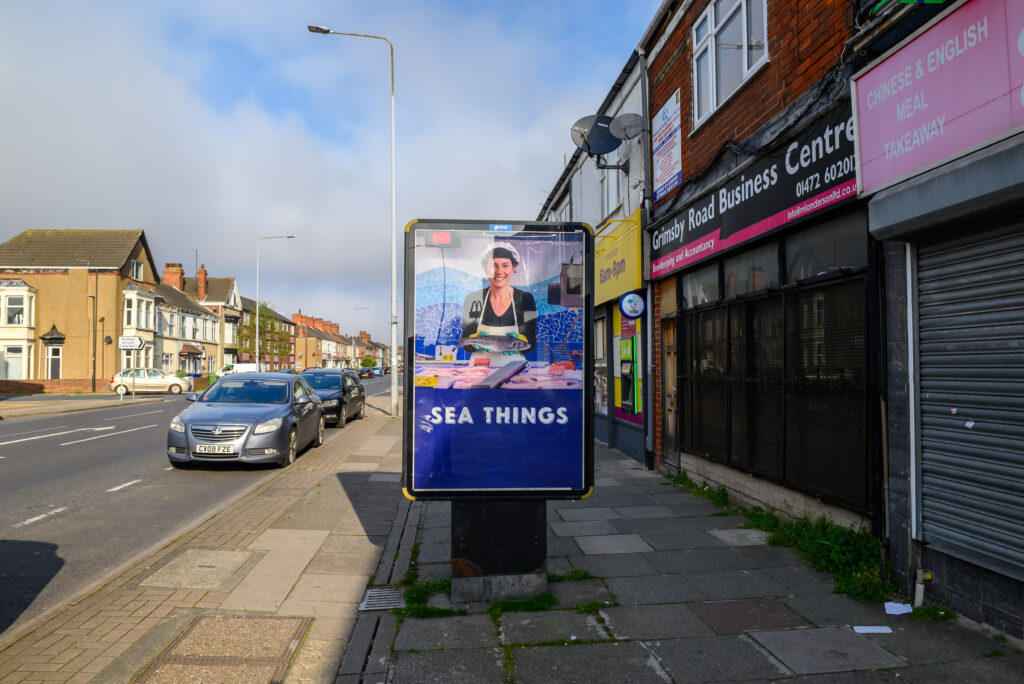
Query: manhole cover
{"type": "Point", "coordinates": [229, 648]}
{"type": "Point", "coordinates": [382, 599]}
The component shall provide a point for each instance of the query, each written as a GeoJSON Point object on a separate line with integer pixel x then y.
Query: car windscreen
{"type": "Point", "coordinates": [253, 391]}
{"type": "Point", "coordinates": [323, 381]}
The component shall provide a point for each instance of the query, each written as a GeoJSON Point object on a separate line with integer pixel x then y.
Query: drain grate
{"type": "Point", "coordinates": [382, 599]}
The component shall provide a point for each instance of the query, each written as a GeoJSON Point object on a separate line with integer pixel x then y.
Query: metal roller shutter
{"type": "Point", "coordinates": [971, 358]}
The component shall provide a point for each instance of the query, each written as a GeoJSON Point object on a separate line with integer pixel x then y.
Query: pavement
{"type": "Point", "coordinates": [269, 588]}
{"type": "Point", "coordinates": [25, 405]}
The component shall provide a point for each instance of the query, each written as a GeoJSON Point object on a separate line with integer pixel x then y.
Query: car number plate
{"type": "Point", "coordinates": [214, 449]}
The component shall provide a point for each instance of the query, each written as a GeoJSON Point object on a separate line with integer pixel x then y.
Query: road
{"type": "Point", "coordinates": [84, 492]}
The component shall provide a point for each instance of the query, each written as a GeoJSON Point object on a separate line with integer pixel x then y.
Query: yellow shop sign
{"type": "Point", "coordinates": [617, 259]}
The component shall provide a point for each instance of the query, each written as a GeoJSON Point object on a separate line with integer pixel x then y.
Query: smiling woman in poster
{"type": "Point", "coordinates": [499, 323]}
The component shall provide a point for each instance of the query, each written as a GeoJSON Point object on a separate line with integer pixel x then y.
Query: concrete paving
{"type": "Point", "coordinates": [676, 593]}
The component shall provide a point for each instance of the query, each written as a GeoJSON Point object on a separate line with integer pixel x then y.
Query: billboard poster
{"type": "Point", "coordinates": [811, 173]}
{"type": "Point", "coordinates": [667, 146]}
{"type": "Point", "coordinates": [498, 362]}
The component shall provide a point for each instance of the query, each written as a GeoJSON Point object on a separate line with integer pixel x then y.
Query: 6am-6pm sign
{"type": "Point", "coordinates": [498, 363]}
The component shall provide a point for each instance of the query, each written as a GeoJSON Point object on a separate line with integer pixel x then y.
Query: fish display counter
{"type": "Point", "coordinates": [528, 375]}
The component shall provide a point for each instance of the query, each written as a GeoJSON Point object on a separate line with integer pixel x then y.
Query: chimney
{"type": "Point", "coordinates": [364, 336]}
{"type": "Point", "coordinates": [297, 318]}
{"type": "Point", "coordinates": [334, 328]}
{"type": "Point", "coordinates": [174, 275]}
{"type": "Point", "coordinates": [201, 282]}
{"type": "Point", "coordinates": [318, 323]}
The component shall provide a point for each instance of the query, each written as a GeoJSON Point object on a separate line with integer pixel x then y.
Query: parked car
{"type": "Point", "coordinates": [148, 380]}
{"type": "Point", "coordinates": [238, 368]}
{"type": "Point", "coordinates": [249, 418]}
{"type": "Point", "coordinates": [287, 370]}
{"type": "Point", "coordinates": [340, 392]}
{"type": "Point", "coordinates": [377, 370]}
{"type": "Point", "coordinates": [366, 372]}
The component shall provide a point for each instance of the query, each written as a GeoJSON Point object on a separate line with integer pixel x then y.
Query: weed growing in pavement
{"type": "Point", "coordinates": [933, 613]}
{"type": "Point", "coordinates": [422, 611]}
{"type": "Point", "coordinates": [574, 575]}
{"type": "Point", "coordinates": [994, 653]}
{"type": "Point", "coordinates": [851, 556]}
{"type": "Point", "coordinates": [591, 608]}
{"type": "Point", "coordinates": [1001, 638]}
{"type": "Point", "coordinates": [525, 605]}
{"type": "Point", "coordinates": [411, 573]}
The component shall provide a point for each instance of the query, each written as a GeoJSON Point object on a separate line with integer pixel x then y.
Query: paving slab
{"type": "Point", "coordinates": [826, 610]}
{"type": "Point", "coordinates": [856, 677]}
{"type": "Point", "coordinates": [667, 621]}
{"type": "Point", "coordinates": [644, 525]}
{"type": "Point", "coordinates": [562, 546]}
{"type": "Point", "coordinates": [726, 584]}
{"type": "Point", "coordinates": [554, 625]}
{"type": "Point", "coordinates": [716, 659]}
{"type": "Point", "coordinates": [926, 643]}
{"type": "Point", "coordinates": [698, 560]}
{"type": "Point", "coordinates": [353, 543]}
{"type": "Point", "coordinates": [470, 631]}
{"type": "Point", "coordinates": [559, 565]}
{"type": "Point", "coordinates": [208, 569]}
{"type": "Point", "coordinates": [581, 528]}
{"type": "Point", "coordinates": [362, 564]}
{"type": "Point", "coordinates": [586, 664]}
{"type": "Point", "coordinates": [435, 553]}
{"type": "Point", "coordinates": [740, 537]}
{"type": "Point", "coordinates": [829, 649]}
{"type": "Point", "coordinates": [653, 589]}
{"type": "Point", "coordinates": [463, 666]}
{"type": "Point", "coordinates": [749, 615]}
{"type": "Point", "coordinates": [644, 512]}
{"type": "Point", "coordinates": [612, 543]}
{"type": "Point", "coordinates": [691, 538]}
{"type": "Point", "coordinates": [571, 594]}
{"type": "Point", "coordinates": [771, 556]}
{"type": "Point", "coordinates": [802, 580]}
{"type": "Point", "coordinates": [329, 588]}
{"type": "Point", "coordinates": [996, 670]}
{"type": "Point", "coordinates": [592, 513]}
{"type": "Point", "coordinates": [614, 564]}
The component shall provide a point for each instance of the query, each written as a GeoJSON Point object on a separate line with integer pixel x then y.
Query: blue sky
{"type": "Point", "coordinates": [211, 123]}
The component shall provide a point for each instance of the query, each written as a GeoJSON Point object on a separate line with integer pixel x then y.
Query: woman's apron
{"type": "Point", "coordinates": [497, 358]}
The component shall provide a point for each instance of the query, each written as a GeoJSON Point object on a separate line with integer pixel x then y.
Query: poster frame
{"type": "Point", "coordinates": [496, 227]}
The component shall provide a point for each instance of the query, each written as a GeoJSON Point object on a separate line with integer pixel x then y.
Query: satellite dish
{"type": "Point", "coordinates": [626, 126]}
{"type": "Point", "coordinates": [591, 135]}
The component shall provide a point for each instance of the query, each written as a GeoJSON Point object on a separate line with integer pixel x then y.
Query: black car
{"type": "Point", "coordinates": [340, 392]}
{"type": "Point", "coordinates": [366, 372]}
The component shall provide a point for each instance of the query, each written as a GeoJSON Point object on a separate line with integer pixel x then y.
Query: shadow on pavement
{"type": "Point", "coordinates": [373, 502]}
{"type": "Point", "coordinates": [26, 567]}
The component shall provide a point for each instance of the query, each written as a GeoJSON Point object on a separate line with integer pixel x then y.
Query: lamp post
{"type": "Point", "coordinates": [394, 258]}
{"type": "Point", "coordinates": [266, 237]}
{"type": "Point", "coordinates": [94, 296]}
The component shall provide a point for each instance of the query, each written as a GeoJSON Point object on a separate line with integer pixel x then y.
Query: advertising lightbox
{"type": "Point", "coordinates": [498, 360]}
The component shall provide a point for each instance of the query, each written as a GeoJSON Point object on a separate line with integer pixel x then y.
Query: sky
{"type": "Point", "coordinates": [211, 123]}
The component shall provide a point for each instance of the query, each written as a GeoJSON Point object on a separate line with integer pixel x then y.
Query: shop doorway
{"type": "Point", "coordinates": [670, 393]}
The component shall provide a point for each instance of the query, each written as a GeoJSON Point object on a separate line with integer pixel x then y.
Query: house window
{"type": "Point", "coordinates": [128, 306]}
{"type": "Point", "coordinates": [16, 310]}
{"type": "Point", "coordinates": [136, 270]}
{"type": "Point", "coordinates": [53, 362]}
{"type": "Point", "coordinates": [729, 42]}
{"type": "Point", "coordinates": [610, 195]}
{"type": "Point", "coordinates": [170, 325]}
{"type": "Point", "coordinates": [149, 315]}
{"type": "Point", "coordinates": [12, 363]}
{"type": "Point", "coordinates": [165, 363]}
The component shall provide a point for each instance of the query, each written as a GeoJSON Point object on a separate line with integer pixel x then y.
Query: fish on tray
{"type": "Point", "coordinates": [494, 343]}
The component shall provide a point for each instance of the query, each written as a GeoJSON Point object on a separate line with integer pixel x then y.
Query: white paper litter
{"type": "Point", "coordinates": [872, 629]}
{"type": "Point", "coordinates": [893, 608]}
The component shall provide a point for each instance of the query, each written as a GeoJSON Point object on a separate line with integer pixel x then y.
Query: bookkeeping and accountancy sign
{"type": "Point", "coordinates": [954, 86]}
{"type": "Point", "coordinates": [809, 174]}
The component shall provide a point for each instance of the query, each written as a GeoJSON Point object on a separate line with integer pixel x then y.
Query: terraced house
{"type": "Point", "coordinates": [65, 298]}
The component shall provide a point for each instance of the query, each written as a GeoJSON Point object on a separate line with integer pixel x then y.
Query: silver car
{"type": "Point", "coordinates": [148, 380]}
{"type": "Point", "coordinates": [249, 418]}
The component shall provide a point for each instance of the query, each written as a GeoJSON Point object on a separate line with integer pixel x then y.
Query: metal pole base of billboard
{"type": "Point", "coordinates": [499, 550]}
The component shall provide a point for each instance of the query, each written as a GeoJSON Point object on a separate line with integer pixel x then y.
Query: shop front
{"type": "Point", "coordinates": [942, 163]}
{"type": "Point", "coordinates": [620, 363]}
{"type": "Point", "coordinates": [768, 310]}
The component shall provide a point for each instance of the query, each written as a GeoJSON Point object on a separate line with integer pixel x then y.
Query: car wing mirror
{"type": "Point", "coordinates": [191, 396]}
{"type": "Point", "coordinates": [303, 400]}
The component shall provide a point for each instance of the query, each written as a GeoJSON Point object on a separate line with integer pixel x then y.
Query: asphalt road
{"type": "Point", "coordinates": [83, 492]}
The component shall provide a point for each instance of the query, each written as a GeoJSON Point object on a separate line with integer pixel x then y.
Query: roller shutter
{"type": "Point", "coordinates": [971, 362]}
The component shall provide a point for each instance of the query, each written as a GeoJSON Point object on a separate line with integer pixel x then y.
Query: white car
{"type": "Point", "coordinates": [148, 380]}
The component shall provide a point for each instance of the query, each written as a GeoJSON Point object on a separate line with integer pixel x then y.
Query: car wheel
{"type": "Point", "coordinates": [175, 389]}
{"type": "Point", "coordinates": [293, 448]}
{"type": "Point", "coordinates": [318, 441]}
{"type": "Point", "coordinates": [362, 410]}
{"type": "Point", "coordinates": [342, 417]}
{"type": "Point", "coordinates": [121, 389]}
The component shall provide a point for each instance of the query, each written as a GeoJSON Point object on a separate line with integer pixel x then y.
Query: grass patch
{"type": "Point", "coordinates": [574, 575]}
{"type": "Point", "coordinates": [418, 593]}
{"type": "Point", "coordinates": [1001, 638]}
{"type": "Point", "coordinates": [591, 608]}
{"type": "Point", "coordinates": [411, 573]}
{"type": "Point", "coordinates": [525, 605]}
{"type": "Point", "coordinates": [994, 653]}
{"type": "Point", "coordinates": [719, 497]}
{"type": "Point", "coordinates": [422, 611]}
{"type": "Point", "coordinates": [933, 613]}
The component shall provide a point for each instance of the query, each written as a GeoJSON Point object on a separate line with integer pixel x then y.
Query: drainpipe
{"type": "Point", "coordinates": [645, 221]}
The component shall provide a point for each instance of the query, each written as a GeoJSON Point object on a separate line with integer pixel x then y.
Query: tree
{"type": "Point", "coordinates": [368, 362]}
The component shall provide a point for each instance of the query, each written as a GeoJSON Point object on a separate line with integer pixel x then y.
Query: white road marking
{"type": "Point", "coordinates": [169, 468]}
{"type": "Point", "coordinates": [40, 517]}
{"type": "Point", "coordinates": [109, 434]}
{"type": "Point", "coordinates": [29, 432]}
{"type": "Point", "coordinates": [122, 486]}
{"type": "Point", "coordinates": [135, 415]}
{"type": "Point", "coordinates": [57, 434]}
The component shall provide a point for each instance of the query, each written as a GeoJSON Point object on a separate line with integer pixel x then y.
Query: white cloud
{"type": "Point", "coordinates": [210, 124]}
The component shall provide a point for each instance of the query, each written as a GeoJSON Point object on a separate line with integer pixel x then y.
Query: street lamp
{"type": "Point", "coordinates": [94, 296]}
{"type": "Point", "coordinates": [394, 258]}
{"type": "Point", "coordinates": [266, 237]}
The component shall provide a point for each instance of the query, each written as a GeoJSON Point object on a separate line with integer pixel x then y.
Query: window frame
{"type": "Point", "coordinates": [707, 46]}
{"type": "Point", "coordinates": [136, 271]}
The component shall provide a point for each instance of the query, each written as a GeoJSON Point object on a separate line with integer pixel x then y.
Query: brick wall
{"type": "Point", "coordinates": [51, 386]}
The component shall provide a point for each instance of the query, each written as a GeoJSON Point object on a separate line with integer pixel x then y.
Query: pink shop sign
{"type": "Point", "coordinates": [950, 89]}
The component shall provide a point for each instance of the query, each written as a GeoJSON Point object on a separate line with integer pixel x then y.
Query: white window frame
{"type": "Point", "coordinates": [611, 190]}
{"type": "Point", "coordinates": [136, 270]}
{"type": "Point", "coordinates": [25, 312]}
{"type": "Point", "coordinates": [53, 351]}
{"type": "Point", "coordinates": [129, 306]}
{"type": "Point", "coordinates": [707, 45]}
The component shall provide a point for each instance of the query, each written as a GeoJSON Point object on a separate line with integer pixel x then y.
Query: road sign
{"type": "Point", "coordinates": [132, 342]}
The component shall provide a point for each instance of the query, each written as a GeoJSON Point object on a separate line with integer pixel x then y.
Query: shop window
{"type": "Point", "coordinates": [837, 245]}
{"type": "Point", "coordinates": [701, 286]}
{"type": "Point", "coordinates": [754, 270]}
{"type": "Point", "coordinates": [600, 367]}
{"type": "Point", "coordinates": [729, 45]}
{"type": "Point", "coordinates": [667, 296]}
